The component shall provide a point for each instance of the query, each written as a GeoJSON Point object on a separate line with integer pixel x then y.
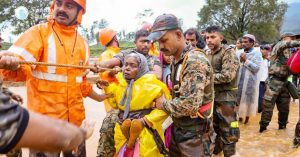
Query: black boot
{"type": "Point", "coordinates": [282, 127]}
{"type": "Point", "coordinates": [283, 119]}
{"type": "Point", "coordinates": [262, 129]}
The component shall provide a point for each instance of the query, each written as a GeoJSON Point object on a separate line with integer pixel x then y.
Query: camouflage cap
{"type": "Point", "coordinates": [162, 24]}
{"type": "Point", "coordinates": [287, 34]}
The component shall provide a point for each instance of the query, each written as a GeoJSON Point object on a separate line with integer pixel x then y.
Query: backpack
{"type": "Point", "coordinates": [294, 63]}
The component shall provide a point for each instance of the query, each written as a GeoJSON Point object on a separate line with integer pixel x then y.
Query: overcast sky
{"type": "Point", "coordinates": [121, 14]}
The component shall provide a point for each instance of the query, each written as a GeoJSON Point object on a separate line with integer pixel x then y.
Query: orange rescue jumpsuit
{"type": "Point", "coordinates": [53, 91]}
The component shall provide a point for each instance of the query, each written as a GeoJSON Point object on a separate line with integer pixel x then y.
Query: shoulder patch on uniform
{"type": "Point", "coordinates": [227, 47]}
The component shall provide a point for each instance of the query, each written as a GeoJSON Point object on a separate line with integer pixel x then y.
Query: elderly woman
{"type": "Point", "coordinates": [139, 127]}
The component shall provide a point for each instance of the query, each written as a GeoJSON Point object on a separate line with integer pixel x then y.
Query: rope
{"type": "Point", "coordinates": [68, 66]}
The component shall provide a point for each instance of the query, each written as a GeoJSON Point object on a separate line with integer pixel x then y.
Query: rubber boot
{"type": "Point", "coordinates": [297, 135]}
{"type": "Point", "coordinates": [282, 120]}
{"type": "Point", "coordinates": [247, 120]}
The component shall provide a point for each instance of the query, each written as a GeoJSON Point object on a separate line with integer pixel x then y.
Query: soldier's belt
{"type": "Point", "coordinates": [205, 111]}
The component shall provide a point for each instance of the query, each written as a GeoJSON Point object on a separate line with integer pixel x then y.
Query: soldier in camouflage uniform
{"type": "Point", "coordinates": [225, 64]}
{"type": "Point", "coordinates": [191, 75]}
{"type": "Point", "coordinates": [106, 142]}
{"type": "Point", "coordinates": [276, 90]}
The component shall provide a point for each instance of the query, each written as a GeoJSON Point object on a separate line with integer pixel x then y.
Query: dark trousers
{"type": "Point", "coordinates": [262, 89]}
{"type": "Point", "coordinates": [280, 97]}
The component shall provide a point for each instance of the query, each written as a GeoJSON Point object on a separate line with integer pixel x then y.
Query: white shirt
{"type": "Point", "coordinates": [263, 71]}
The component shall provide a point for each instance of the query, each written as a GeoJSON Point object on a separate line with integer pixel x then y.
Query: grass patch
{"type": "Point", "coordinates": [96, 50]}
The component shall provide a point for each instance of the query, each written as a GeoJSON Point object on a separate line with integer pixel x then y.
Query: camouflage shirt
{"type": "Point", "coordinates": [13, 121]}
{"type": "Point", "coordinates": [152, 60]}
{"type": "Point", "coordinates": [225, 64]}
{"type": "Point", "coordinates": [279, 57]}
{"type": "Point", "coordinates": [192, 81]}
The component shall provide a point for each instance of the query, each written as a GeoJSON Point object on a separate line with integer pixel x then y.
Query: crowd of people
{"type": "Point", "coordinates": [184, 96]}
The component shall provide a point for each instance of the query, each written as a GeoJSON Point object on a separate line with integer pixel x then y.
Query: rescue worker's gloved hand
{"type": "Point", "coordinates": [9, 61]}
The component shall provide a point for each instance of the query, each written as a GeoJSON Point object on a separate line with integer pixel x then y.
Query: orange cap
{"type": "Point", "coordinates": [81, 3]}
{"type": "Point", "coordinates": [106, 35]}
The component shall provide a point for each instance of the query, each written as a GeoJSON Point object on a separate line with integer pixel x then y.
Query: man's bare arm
{"type": "Point", "coordinates": [157, 70]}
{"type": "Point", "coordinates": [48, 134]}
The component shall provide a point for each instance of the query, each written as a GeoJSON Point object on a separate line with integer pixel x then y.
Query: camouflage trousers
{"type": "Point", "coordinates": [106, 145]}
{"type": "Point", "coordinates": [81, 152]}
{"type": "Point", "coordinates": [195, 144]}
{"type": "Point", "coordinates": [14, 153]}
{"type": "Point", "coordinates": [276, 93]}
{"type": "Point", "coordinates": [226, 127]}
{"type": "Point", "coordinates": [297, 131]}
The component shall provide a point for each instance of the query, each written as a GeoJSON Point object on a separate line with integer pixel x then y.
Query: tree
{"type": "Point", "coordinates": [119, 34]}
{"type": "Point", "coordinates": [38, 11]}
{"type": "Point", "coordinates": [144, 15]}
{"type": "Point", "coordinates": [237, 17]}
{"type": "Point", "coordinates": [129, 36]}
{"type": "Point", "coordinates": [94, 35]}
{"type": "Point", "coordinates": [84, 32]}
{"type": "Point", "coordinates": [180, 21]}
{"type": "Point", "coordinates": [102, 24]}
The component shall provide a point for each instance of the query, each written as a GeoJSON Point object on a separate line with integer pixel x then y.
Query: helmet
{"type": "Point", "coordinates": [81, 3]}
{"type": "Point", "coordinates": [106, 35]}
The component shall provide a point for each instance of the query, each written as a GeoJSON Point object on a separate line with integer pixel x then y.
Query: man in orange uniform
{"type": "Point", "coordinates": [54, 91]}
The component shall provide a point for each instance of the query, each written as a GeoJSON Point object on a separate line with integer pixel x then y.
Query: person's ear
{"type": "Point", "coordinates": [221, 36]}
{"type": "Point", "coordinates": [179, 34]}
